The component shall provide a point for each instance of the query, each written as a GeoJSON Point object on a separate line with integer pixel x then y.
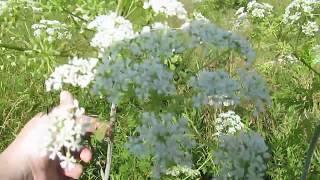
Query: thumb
{"type": "Point", "coordinates": [66, 98]}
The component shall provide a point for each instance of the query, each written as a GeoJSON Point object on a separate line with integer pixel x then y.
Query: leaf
{"type": "Point", "coordinates": [100, 133]}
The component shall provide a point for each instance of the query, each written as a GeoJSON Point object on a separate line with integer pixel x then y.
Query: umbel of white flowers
{"type": "Point", "coordinates": [178, 171]}
{"type": "Point", "coordinates": [242, 156]}
{"type": "Point", "coordinates": [167, 7]}
{"type": "Point", "coordinates": [252, 10]}
{"type": "Point", "coordinates": [64, 134]}
{"type": "Point", "coordinates": [228, 123]}
{"type": "Point", "coordinates": [78, 72]}
{"type": "Point", "coordinates": [51, 29]}
{"type": "Point", "coordinates": [302, 14]}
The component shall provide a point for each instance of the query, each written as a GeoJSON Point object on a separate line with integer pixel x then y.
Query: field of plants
{"type": "Point", "coordinates": [181, 89]}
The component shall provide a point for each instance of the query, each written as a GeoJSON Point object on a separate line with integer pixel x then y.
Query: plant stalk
{"type": "Point", "coordinates": [110, 142]}
{"type": "Point", "coordinates": [312, 147]}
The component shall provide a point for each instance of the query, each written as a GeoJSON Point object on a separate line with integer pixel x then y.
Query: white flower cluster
{"type": "Point", "coordinates": [310, 28]}
{"type": "Point", "coordinates": [299, 8]}
{"type": "Point", "coordinates": [78, 72]}
{"type": "Point", "coordinates": [301, 13]}
{"type": "Point", "coordinates": [214, 88]}
{"type": "Point", "coordinates": [287, 58]}
{"type": "Point", "coordinates": [51, 30]}
{"type": "Point", "coordinates": [254, 10]}
{"type": "Point", "coordinates": [164, 137]}
{"type": "Point", "coordinates": [64, 134]}
{"type": "Point", "coordinates": [184, 171]}
{"type": "Point", "coordinates": [167, 7]}
{"type": "Point", "coordinates": [242, 156]}
{"type": "Point", "coordinates": [110, 28]}
{"type": "Point", "coordinates": [259, 10]}
{"type": "Point", "coordinates": [34, 5]}
{"type": "Point", "coordinates": [3, 6]}
{"type": "Point", "coordinates": [117, 77]}
{"type": "Point", "coordinates": [228, 123]}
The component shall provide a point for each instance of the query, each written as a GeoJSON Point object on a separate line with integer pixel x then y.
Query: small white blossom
{"type": "Point", "coordinates": [253, 9]}
{"type": "Point", "coordinates": [67, 162]}
{"type": "Point", "coordinates": [310, 28]}
{"type": "Point", "coordinates": [64, 134]}
{"type": "Point", "coordinates": [185, 171]}
{"type": "Point", "coordinates": [287, 58]}
{"type": "Point", "coordinates": [228, 123]}
{"type": "Point", "coordinates": [51, 30]}
{"type": "Point", "coordinates": [78, 72]}
{"type": "Point", "coordinates": [168, 7]}
{"type": "Point", "coordinates": [111, 29]}
{"type": "Point", "coordinates": [301, 14]}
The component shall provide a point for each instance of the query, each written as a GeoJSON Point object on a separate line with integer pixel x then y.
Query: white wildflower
{"type": "Point", "coordinates": [242, 156]}
{"type": "Point", "coordinates": [300, 9]}
{"type": "Point", "coordinates": [310, 28]}
{"type": "Point", "coordinates": [253, 9]}
{"type": "Point", "coordinates": [64, 134]}
{"type": "Point", "coordinates": [287, 58]}
{"type": "Point", "coordinates": [228, 123]}
{"type": "Point", "coordinates": [184, 171]}
{"type": "Point", "coordinates": [199, 16]}
{"type": "Point", "coordinates": [78, 72]}
{"type": "Point", "coordinates": [167, 7]}
{"type": "Point", "coordinates": [51, 30]}
{"type": "Point", "coordinates": [110, 30]}
{"type": "Point", "coordinates": [67, 162]}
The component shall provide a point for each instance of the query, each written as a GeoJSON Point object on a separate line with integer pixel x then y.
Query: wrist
{"type": "Point", "coordinates": [13, 166]}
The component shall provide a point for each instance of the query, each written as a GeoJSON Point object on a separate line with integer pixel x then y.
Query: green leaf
{"type": "Point", "coordinates": [100, 133]}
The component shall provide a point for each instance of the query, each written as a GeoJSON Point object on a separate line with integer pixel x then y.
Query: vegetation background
{"type": "Point", "coordinates": [287, 126]}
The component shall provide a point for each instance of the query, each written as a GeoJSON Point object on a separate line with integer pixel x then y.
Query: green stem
{"type": "Point", "coordinates": [16, 48]}
{"type": "Point", "coordinates": [311, 149]}
{"type": "Point", "coordinates": [22, 49]}
{"type": "Point", "coordinates": [118, 7]}
{"type": "Point", "coordinates": [306, 64]}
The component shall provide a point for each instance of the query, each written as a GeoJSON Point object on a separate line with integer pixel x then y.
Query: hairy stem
{"type": "Point", "coordinates": [110, 141]}
{"type": "Point", "coordinates": [311, 149]}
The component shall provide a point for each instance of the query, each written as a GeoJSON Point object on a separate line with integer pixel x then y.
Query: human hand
{"type": "Point", "coordinates": [22, 159]}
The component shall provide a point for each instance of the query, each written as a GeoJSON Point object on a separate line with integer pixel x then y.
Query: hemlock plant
{"type": "Point", "coordinates": [132, 66]}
